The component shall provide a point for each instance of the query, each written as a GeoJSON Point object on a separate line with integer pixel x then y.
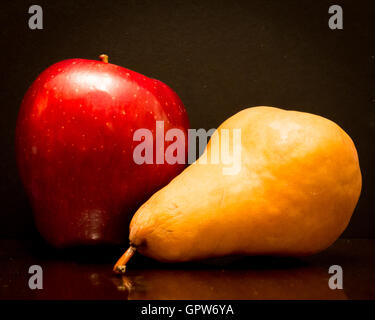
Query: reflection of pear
{"type": "Point", "coordinates": [301, 283]}
{"type": "Point", "coordinates": [294, 195]}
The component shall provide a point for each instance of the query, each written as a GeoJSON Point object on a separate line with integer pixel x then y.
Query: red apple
{"type": "Point", "coordinates": [74, 143]}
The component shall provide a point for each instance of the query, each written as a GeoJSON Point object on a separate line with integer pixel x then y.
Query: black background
{"type": "Point", "coordinates": [219, 56]}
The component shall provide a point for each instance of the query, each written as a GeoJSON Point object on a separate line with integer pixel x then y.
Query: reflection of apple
{"type": "Point", "coordinates": [75, 147]}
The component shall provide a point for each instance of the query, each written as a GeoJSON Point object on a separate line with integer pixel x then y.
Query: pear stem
{"type": "Point", "coordinates": [104, 58]}
{"type": "Point", "coordinates": [120, 266]}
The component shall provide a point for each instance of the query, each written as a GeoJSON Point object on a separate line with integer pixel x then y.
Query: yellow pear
{"type": "Point", "coordinates": [293, 194]}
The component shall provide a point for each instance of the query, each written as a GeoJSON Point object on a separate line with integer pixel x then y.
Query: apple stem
{"type": "Point", "coordinates": [104, 58]}
{"type": "Point", "coordinates": [120, 266]}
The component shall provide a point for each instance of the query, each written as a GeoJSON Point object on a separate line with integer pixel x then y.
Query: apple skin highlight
{"type": "Point", "coordinates": [74, 148]}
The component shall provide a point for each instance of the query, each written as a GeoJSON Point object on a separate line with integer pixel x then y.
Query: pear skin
{"type": "Point", "coordinates": [296, 190]}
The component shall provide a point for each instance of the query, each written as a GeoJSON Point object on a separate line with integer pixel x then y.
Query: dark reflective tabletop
{"type": "Point", "coordinates": [86, 274]}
